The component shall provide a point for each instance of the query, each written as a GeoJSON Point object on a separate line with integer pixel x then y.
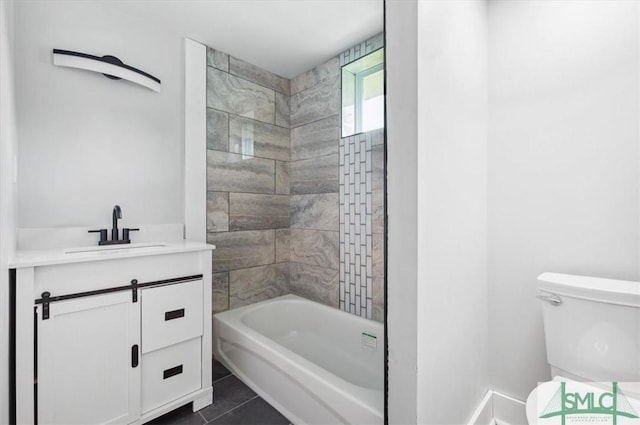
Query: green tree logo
{"type": "Point", "coordinates": [613, 403]}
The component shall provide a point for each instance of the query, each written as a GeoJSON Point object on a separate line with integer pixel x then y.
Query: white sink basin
{"type": "Point", "coordinates": [100, 248]}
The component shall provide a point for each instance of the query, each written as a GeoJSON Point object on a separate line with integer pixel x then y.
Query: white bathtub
{"type": "Point", "coordinates": [315, 364]}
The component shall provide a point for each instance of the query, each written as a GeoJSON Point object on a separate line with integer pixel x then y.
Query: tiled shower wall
{"type": "Point", "coordinates": [273, 205]}
{"type": "Point", "coordinates": [247, 181]}
{"type": "Point", "coordinates": [362, 224]}
{"type": "Point", "coordinates": [362, 211]}
{"type": "Point", "coordinates": [315, 134]}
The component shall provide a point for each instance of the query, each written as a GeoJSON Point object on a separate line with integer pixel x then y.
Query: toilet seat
{"type": "Point", "coordinates": [531, 406]}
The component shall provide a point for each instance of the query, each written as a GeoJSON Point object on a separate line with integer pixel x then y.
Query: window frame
{"type": "Point", "coordinates": [359, 99]}
{"type": "Point", "coordinates": [352, 102]}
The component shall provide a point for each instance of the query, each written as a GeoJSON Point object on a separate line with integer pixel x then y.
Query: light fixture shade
{"type": "Point", "coordinates": [110, 66]}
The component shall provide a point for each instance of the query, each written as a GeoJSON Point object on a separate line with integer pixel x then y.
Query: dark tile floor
{"type": "Point", "coordinates": [233, 404]}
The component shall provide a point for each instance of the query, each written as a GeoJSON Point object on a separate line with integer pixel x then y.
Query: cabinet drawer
{"type": "Point", "coordinates": [171, 314]}
{"type": "Point", "coordinates": [170, 373]}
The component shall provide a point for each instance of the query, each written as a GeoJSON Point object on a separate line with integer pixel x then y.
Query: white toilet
{"type": "Point", "coordinates": [592, 333]}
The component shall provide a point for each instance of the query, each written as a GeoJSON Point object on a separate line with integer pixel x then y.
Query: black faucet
{"type": "Point", "coordinates": [117, 213]}
{"type": "Point", "coordinates": [115, 237]}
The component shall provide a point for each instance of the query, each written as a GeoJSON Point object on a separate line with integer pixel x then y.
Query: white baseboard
{"type": "Point", "coordinates": [483, 414]}
{"type": "Point", "coordinates": [508, 410]}
{"type": "Point", "coordinates": [499, 409]}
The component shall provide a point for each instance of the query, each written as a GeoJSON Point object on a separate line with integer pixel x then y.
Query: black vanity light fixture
{"type": "Point", "coordinates": [109, 66]}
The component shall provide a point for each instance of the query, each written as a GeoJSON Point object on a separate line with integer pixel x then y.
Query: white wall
{"type": "Point", "coordinates": [401, 45]}
{"type": "Point", "coordinates": [195, 141]}
{"type": "Point", "coordinates": [8, 151]}
{"type": "Point", "coordinates": [87, 142]}
{"type": "Point", "coordinates": [452, 149]}
{"type": "Point", "coordinates": [563, 164]}
{"type": "Point", "coordinates": [446, 283]}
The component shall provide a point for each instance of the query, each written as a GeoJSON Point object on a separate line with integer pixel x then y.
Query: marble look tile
{"type": "Point", "coordinates": [374, 43]}
{"type": "Point", "coordinates": [377, 215]}
{"type": "Point", "coordinates": [362, 49]}
{"type": "Point", "coordinates": [317, 102]}
{"type": "Point", "coordinates": [378, 313]}
{"type": "Point", "coordinates": [315, 247]}
{"type": "Point", "coordinates": [318, 138]}
{"type": "Point", "coordinates": [283, 110]}
{"type": "Point", "coordinates": [377, 167]}
{"type": "Point", "coordinates": [251, 285]}
{"type": "Point", "coordinates": [378, 255]}
{"type": "Point", "coordinates": [220, 292]}
{"type": "Point", "coordinates": [315, 175]}
{"type": "Point", "coordinates": [217, 130]}
{"type": "Point", "coordinates": [329, 69]}
{"type": "Point", "coordinates": [378, 299]}
{"type": "Point", "coordinates": [377, 137]}
{"type": "Point", "coordinates": [230, 172]}
{"type": "Point", "coordinates": [318, 211]}
{"type": "Point", "coordinates": [282, 178]}
{"type": "Point", "coordinates": [217, 211]}
{"type": "Point", "coordinates": [217, 59]}
{"type": "Point", "coordinates": [237, 250]}
{"type": "Point", "coordinates": [258, 75]}
{"type": "Point", "coordinates": [229, 93]}
{"type": "Point", "coordinates": [283, 239]}
{"type": "Point", "coordinates": [255, 138]}
{"type": "Point", "coordinates": [249, 211]}
{"type": "Point", "coordinates": [315, 283]}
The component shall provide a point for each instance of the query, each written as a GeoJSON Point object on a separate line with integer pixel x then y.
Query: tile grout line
{"type": "Point", "coordinates": [330, 75]}
{"type": "Point", "coordinates": [249, 79]}
{"type": "Point", "coordinates": [313, 228]}
{"type": "Point", "coordinates": [337, 114]}
{"type": "Point", "coordinates": [255, 193]}
{"type": "Point", "coordinates": [247, 118]}
{"type": "Point", "coordinates": [315, 156]}
{"type": "Point", "coordinates": [232, 409]}
{"type": "Point", "coordinates": [250, 156]}
{"type": "Point", "coordinates": [223, 377]}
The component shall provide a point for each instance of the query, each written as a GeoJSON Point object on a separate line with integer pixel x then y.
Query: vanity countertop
{"type": "Point", "coordinates": [33, 258]}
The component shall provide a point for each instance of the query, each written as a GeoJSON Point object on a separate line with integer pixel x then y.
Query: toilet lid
{"type": "Point", "coordinates": [545, 394]}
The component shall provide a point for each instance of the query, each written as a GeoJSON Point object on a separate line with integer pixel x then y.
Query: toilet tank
{"type": "Point", "coordinates": [592, 327]}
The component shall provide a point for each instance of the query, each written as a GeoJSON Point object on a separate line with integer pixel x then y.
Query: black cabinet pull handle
{"type": "Point", "coordinates": [134, 356]}
{"type": "Point", "coordinates": [45, 304]}
{"type": "Point", "coordinates": [177, 370]}
{"type": "Point", "coordinates": [175, 314]}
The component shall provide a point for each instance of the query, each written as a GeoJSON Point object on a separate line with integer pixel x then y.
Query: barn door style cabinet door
{"type": "Point", "coordinates": [88, 361]}
{"type": "Point", "coordinates": [117, 341]}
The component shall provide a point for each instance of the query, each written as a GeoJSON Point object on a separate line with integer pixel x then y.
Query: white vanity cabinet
{"type": "Point", "coordinates": [117, 339]}
{"type": "Point", "coordinates": [172, 319]}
